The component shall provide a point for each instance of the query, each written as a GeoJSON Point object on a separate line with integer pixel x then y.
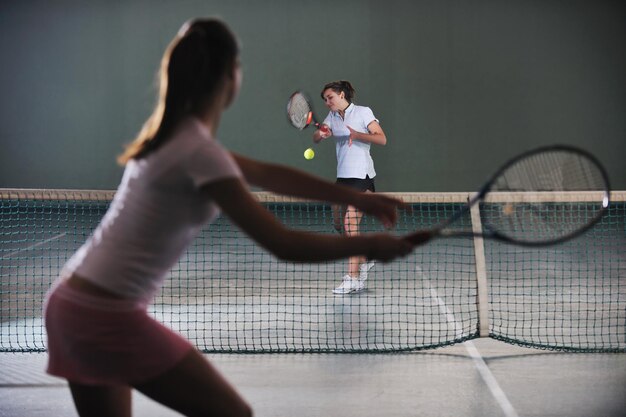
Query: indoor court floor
{"type": "Point", "coordinates": [483, 377]}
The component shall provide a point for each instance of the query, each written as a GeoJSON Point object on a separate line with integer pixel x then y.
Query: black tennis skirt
{"type": "Point", "coordinates": [361, 184]}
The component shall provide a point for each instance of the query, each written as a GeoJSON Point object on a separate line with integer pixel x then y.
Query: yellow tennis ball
{"type": "Point", "coordinates": [309, 154]}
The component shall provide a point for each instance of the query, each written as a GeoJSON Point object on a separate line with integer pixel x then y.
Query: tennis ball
{"type": "Point", "coordinates": [309, 154]}
{"type": "Point", "coordinates": [508, 209]}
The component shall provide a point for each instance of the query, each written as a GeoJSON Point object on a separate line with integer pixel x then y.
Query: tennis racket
{"type": "Point", "coordinates": [541, 197]}
{"type": "Point", "coordinates": [300, 112]}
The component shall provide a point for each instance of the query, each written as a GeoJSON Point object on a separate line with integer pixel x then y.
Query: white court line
{"type": "Point", "coordinates": [479, 362]}
{"type": "Point", "coordinates": [43, 242]}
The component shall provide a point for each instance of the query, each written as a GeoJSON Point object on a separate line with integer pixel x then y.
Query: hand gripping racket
{"type": "Point", "coordinates": [541, 197]}
{"type": "Point", "coordinates": [300, 112]}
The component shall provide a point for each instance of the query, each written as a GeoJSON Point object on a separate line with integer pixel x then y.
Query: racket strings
{"type": "Point", "coordinates": [530, 215]}
{"type": "Point", "coordinates": [551, 171]}
{"type": "Point", "coordinates": [298, 110]}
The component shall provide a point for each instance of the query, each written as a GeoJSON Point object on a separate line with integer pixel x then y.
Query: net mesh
{"type": "Point", "coordinates": [226, 294]}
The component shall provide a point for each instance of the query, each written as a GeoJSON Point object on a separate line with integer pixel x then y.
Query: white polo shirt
{"type": "Point", "coordinates": [352, 161]}
{"type": "Point", "coordinates": [157, 211]}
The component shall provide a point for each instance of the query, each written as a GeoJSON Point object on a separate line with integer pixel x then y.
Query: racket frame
{"type": "Point", "coordinates": [311, 119]}
{"type": "Point", "coordinates": [477, 198]}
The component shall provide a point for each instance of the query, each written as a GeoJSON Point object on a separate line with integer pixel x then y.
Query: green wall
{"type": "Point", "coordinates": [459, 86]}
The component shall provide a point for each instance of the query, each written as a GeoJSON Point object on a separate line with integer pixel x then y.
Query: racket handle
{"type": "Point", "coordinates": [322, 127]}
{"type": "Point", "coordinates": [418, 238]}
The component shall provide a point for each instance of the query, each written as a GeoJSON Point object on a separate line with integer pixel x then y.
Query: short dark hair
{"type": "Point", "coordinates": [338, 87]}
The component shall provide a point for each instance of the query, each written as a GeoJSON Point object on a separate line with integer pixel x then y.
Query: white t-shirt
{"type": "Point", "coordinates": [352, 161]}
{"type": "Point", "coordinates": [156, 212]}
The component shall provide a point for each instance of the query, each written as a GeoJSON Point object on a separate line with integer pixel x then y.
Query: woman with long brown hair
{"type": "Point", "coordinates": [177, 178]}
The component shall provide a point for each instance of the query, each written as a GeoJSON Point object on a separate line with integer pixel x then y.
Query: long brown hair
{"type": "Point", "coordinates": [191, 72]}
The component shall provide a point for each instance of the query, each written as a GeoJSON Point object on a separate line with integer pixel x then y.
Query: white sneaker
{"type": "Point", "coordinates": [364, 268]}
{"type": "Point", "coordinates": [349, 285]}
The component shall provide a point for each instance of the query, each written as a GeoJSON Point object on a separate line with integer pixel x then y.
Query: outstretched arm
{"type": "Point", "coordinates": [245, 211]}
{"type": "Point", "coordinates": [289, 181]}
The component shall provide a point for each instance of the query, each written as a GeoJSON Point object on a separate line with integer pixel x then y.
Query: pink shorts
{"type": "Point", "coordinates": [100, 341]}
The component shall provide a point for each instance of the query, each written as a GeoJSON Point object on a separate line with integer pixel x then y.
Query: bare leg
{"type": "Point", "coordinates": [195, 388]}
{"type": "Point", "coordinates": [351, 225]}
{"type": "Point", "coordinates": [337, 218]}
{"type": "Point", "coordinates": [99, 401]}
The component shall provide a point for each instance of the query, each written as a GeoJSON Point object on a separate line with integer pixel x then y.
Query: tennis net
{"type": "Point", "coordinates": [226, 294]}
